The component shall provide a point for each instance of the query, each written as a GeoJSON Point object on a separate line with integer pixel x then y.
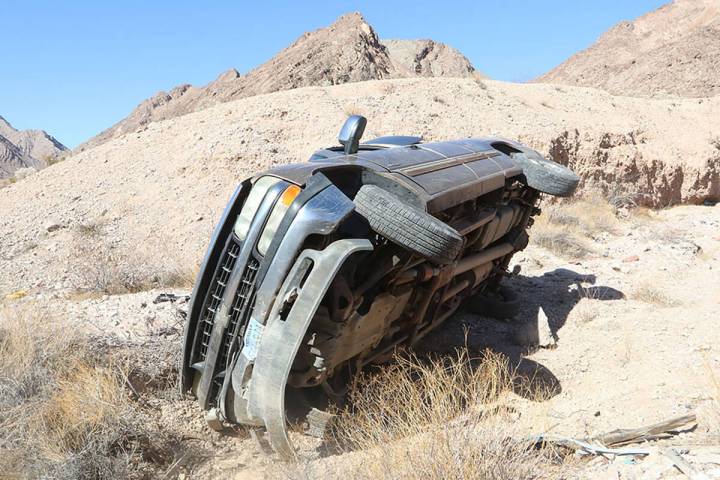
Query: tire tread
{"type": "Point", "coordinates": [408, 226]}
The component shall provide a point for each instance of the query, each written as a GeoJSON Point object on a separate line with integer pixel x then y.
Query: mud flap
{"type": "Point", "coordinates": [278, 342]}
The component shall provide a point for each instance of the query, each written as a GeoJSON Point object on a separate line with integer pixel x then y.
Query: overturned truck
{"type": "Point", "coordinates": [318, 269]}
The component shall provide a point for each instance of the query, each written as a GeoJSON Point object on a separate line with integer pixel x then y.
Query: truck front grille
{"type": "Point", "coordinates": [239, 316]}
{"type": "Point", "coordinates": [215, 294]}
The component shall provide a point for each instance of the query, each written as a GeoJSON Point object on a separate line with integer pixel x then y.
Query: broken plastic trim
{"type": "Point", "coordinates": [281, 339]}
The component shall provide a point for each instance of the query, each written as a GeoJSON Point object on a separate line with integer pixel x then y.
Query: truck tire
{"type": "Point", "coordinates": [502, 305]}
{"type": "Point", "coordinates": [408, 226]}
{"type": "Point", "coordinates": [545, 175]}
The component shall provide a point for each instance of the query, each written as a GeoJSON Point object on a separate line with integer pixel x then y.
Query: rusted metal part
{"type": "Point", "coordinates": [455, 289]}
{"type": "Point", "coordinates": [486, 256]}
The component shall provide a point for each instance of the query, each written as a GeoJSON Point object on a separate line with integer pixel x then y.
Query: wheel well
{"type": "Point", "coordinates": [504, 147]}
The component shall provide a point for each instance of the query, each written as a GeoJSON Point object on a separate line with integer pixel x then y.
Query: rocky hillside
{"type": "Point", "coordinates": [673, 50]}
{"type": "Point", "coordinates": [25, 148]}
{"type": "Point", "coordinates": [349, 50]}
{"type": "Point", "coordinates": [427, 58]}
{"type": "Point", "coordinates": [169, 182]}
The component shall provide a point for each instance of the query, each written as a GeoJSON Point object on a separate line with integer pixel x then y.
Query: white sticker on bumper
{"type": "Point", "coordinates": [252, 338]}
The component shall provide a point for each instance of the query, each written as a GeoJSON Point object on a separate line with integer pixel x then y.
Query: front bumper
{"type": "Point", "coordinates": [249, 313]}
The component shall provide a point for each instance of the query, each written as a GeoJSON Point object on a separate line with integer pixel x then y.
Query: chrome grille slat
{"type": "Point", "coordinates": [213, 300]}
{"type": "Point", "coordinates": [239, 316]}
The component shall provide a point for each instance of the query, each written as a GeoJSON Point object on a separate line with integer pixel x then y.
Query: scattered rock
{"type": "Point", "coordinates": [546, 339]}
{"type": "Point", "coordinates": [170, 297]}
{"type": "Point", "coordinates": [52, 225]}
{"type": "Point", "coordinates": [16, 295]}
{"type": "Point", "coordinates": [536, 333]}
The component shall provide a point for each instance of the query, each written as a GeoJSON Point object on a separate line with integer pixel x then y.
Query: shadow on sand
{"type": "Point", "coordinates": [556, 292]}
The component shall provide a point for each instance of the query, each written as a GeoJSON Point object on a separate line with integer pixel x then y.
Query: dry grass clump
{"type": "Point", "coordinates": [103, 269]}
{"type": "Point", "coordinates": [386, 87]}
{"type": "Point", "coordinates": [648, 292]}
{"type": "Point", "coordinates": [479, 81]}
{"type": "Point", "coordinates": [84, 424]}
{"type": "Point", "coordinates": [442, 418]}
{"type": "Point", "coordinates": [32, 348]}
{"type": "Point", "coordinates": [60, 415]}
{"type": "Point", "coordinates": [85, 404]}
{"type": "Point", "coordinates": [586, 311]}
{"type": "Point", "coordinates": [64, 410]}
{"type": "Point", "coordinates": [352, 109]}
{"type": "Point", "coordinates": [561, 242]}
{"type": "Point", "coordinates": [567, 228]}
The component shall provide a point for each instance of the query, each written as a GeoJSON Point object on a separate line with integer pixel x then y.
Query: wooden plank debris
{"type": "Point", "coordinates": [643, 434]}
{"type": "Point", "coordinates": [605, 444]}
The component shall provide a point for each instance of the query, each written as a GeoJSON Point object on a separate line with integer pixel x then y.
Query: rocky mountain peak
{"type": "Point", "coordinates": [25, 148]}
{"type": "Point", "coordinates": [674, 50]}
{"type": "Point", "coordinates": [349, 50]}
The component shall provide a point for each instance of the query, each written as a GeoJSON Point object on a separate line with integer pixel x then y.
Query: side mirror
{"type": "Point", "coordinates": [351, 133]}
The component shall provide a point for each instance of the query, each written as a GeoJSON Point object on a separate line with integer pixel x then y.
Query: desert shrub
{"type": "Point", "coordinates": [715, 142]}
{"type": "Point", "coordinates": [561, 242]}
{"type": "Point", "coordinates": [352, 109]}
{"type": "Point", "coordinates": [586, 311]}
{"type": "Point", "coordinates": [441, 418]}
{"type": "Point", "coordinates": [479, 81]}
{"type": "Point", "coordinates": [624, 195]}
{"type": "Point", "coordinates": [32, 348]}
{"type": "Point", "coordinates": [386, 87]}
{"type": "Point", "coordinates": [565, 228]}
{"type": "Point", "coordinates": [105, 268]}
{"type": "Point", "coordinates": [65, 411]}
{"type": "Point", "coordinates": [649, 292]}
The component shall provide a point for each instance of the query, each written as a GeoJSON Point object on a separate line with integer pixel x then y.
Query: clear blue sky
{"type": "Point", "coordinates": [74, 68]}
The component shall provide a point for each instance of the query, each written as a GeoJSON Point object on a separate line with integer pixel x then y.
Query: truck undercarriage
{"type": "Point", "coordinates": [319, 269]}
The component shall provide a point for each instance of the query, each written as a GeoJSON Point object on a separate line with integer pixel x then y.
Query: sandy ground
{"type": "Point", "coordinates": [636, 330]}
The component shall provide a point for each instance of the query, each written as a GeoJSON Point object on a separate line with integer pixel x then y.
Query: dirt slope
{"type": "Point", "coordinates": [673, 50]}
{"type": "Point", "coordinates": [157, 193]}
{"type": "Point", "coordinates": [349, 50]}
{"type": "Point", "coordinates": [24, 148]}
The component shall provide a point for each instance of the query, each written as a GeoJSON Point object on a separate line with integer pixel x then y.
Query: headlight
{"type": "Point", "coordinates": [276, 217]}
{"type": "Point", "coordinates": [249, 209]}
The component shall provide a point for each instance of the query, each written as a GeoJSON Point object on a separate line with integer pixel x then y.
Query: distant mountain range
{"type": "Point", "coordinates": [349, 50]}
{"type": "Point", "coordinates": [674, 50]}
{"type": "Point", "coordinates": [25, 148]}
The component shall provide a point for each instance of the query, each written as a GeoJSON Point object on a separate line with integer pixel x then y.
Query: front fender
{"type": "Point", "coordinates": [275, 345]}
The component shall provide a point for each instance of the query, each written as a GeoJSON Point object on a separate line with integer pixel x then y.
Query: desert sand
{"type": "Point", "coordinates": [98, 254]}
